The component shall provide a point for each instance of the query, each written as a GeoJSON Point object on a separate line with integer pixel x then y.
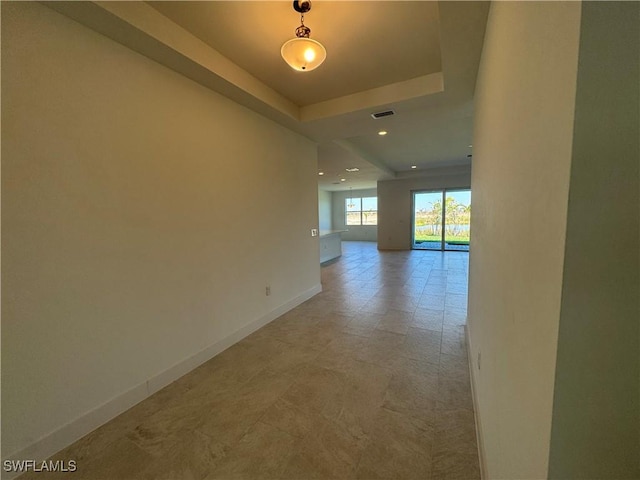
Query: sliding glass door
{"type": "Point", "coordinates": [457, 219]}
{"type": "Point", "coordinates": [441, 220]}
{"type": "Point", "coordinates": [427, 220]}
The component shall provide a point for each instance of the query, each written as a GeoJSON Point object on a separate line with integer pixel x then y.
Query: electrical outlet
{"type": "Point", "coordinates": [314, 232]}
{"type": "Point", "coordinates": [268, 290]}
{"type": "Point", "coordinates": [479, 357]}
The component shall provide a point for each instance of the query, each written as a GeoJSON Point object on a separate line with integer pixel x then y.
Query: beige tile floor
{"type": "Point", "coordinates": [367, 380]}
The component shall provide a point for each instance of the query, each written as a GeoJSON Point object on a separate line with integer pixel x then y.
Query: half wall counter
{"type": "Point", "coordinates": [330, 244]}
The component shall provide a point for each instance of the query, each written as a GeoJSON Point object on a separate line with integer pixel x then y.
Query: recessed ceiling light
{"type": "Point", "coordinates": [382, 132]}
{"type": "Point", "coordinates": [354, 169]}
{"type": "Point", "coordinates": [343, 179]}
{"type": "Point", "coordinates": [470, 146]}
{"type": "Point", "coordinates": [414, 166]}
{"type": "Point", "coordinates": [320, 173]}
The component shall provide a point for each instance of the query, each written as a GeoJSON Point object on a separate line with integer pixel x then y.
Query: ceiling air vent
{"type": "Point", "coordinates": [386, 113]}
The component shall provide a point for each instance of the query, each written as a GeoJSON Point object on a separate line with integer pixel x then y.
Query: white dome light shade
{"type": "Point", "coordinates": [303, 54]}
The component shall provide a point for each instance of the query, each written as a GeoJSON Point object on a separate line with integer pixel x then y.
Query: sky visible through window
{"type": "Point", "coordinates": [361, 211]}
{"type": "Point", "coordinates": [424, 202]}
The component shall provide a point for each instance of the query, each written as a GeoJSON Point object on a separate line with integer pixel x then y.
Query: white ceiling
{"type": "Point", "coordinates": [419, 58]}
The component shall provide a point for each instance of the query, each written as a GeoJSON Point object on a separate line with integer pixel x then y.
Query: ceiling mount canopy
{"type": "Point", "coordinates": [302, 6]}
{"type": "Point", "coordinates": [302, 53]}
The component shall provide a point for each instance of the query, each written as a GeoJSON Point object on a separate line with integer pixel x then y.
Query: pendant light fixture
{"type": "Point", "coordinates": [302, 53]}
{"type": "Point", "coordinates": [351, 204]}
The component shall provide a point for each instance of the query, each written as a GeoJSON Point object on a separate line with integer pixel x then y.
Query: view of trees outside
{"type": "Point", "coordinates": [428, 217]}
{"type": "Point", "coordinates": [361, 211]}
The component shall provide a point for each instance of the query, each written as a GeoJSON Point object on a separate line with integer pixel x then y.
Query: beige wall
{"type": "Point", "coordinates": [596, 409]}
{"type": "Point", "coordinates": [324, 210]}
{"type": "Point", "coordinates": [395, 203]}
{"type": "Point", "coordinates": [520, 183]}
{"type": "Point", "coordinates": [364, 233]}
{"type": "Point", "coordinates": [142, 217]}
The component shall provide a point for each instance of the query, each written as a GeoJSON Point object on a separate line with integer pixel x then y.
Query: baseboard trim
{"type": "Point", "coordinates": [55, 441]}
{"type": "Point", "coordinates": [476, 411]}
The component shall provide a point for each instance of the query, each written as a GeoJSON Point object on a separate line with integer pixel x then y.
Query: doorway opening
{"type": "Point", "coordinates": [441, 220]}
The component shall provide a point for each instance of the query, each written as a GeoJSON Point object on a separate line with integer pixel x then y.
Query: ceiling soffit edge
{"type": "Point", "coordinates": [143, 29]}
{"type": "Point", "coordinates": [351, 148]}
{"type": "Point", "coordinates": [387, 94]}
{"type": "Point", "coordinates": [148, 20]}
{"type": "Point", "coordinates": [439, 171]}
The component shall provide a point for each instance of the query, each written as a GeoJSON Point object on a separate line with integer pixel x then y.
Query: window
{"type": "Point", "coordinates": [361, 211]}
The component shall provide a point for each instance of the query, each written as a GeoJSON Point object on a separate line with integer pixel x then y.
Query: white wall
{"type": "Point", "coordinates": [364, 233]}
{"type": "Point", "coordinates": [596, 408]}
{"type": "Point", "coordinates": [324, 210]}
{"type": "Point", "coordinates": [520, 182]}
{"type": "Point", "coordinates": [395, 203]}
{"type": "Point", "coordinates": [142, 217]}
